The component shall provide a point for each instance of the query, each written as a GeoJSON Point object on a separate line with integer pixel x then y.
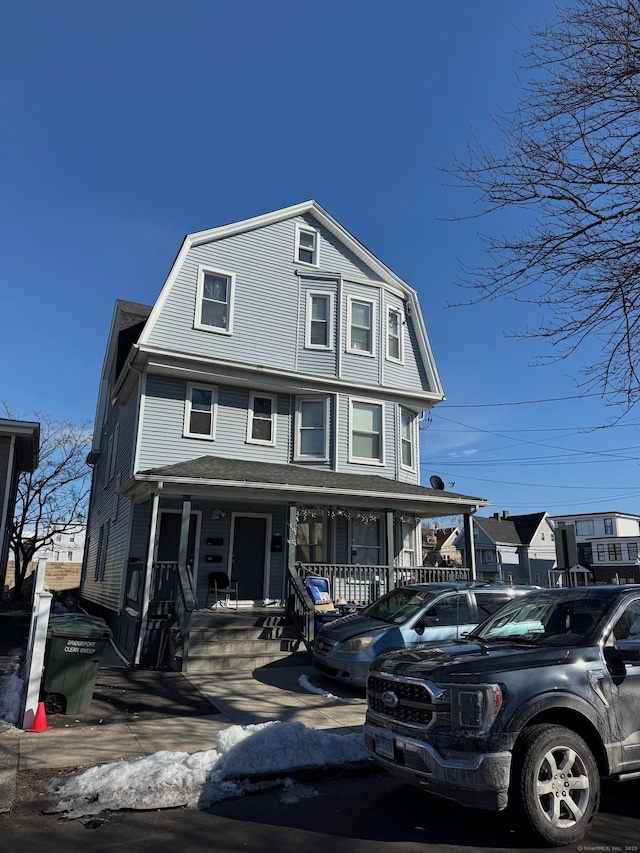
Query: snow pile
{"type": "Point", "coordinates": [303, 681]}
{"type": "Point", "coordinates": [11, 693]}
{"type": "Point", "coordinates": [170, 779]}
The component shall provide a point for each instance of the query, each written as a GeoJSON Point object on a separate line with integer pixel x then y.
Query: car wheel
{"type": "Point", "coordinates": [556, 784]}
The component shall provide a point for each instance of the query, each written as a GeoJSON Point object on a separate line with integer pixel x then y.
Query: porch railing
{"type": "Point", "coordinates": [363, 584]}
{"type": "Point", "coordinates": [299, 606]}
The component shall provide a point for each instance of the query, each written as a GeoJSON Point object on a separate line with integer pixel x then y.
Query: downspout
{"type": "Point", "coordinates": [144, 616]}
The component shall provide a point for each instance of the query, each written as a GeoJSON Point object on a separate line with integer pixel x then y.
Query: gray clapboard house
{"type": "Point", "coordinates": [260, 420]}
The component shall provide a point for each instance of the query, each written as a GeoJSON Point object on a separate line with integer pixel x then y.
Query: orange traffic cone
{"type": "Point", "coordinates": [40, 722]}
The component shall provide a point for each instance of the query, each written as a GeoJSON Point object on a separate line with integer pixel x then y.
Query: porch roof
{"type": "Point", "coordinates": [218, 477]}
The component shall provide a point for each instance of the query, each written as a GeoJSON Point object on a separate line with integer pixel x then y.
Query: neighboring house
{"type": "Point", "coordinates": [67, 547]}
{"type": "Point", "coordinates": [19, 448]}
{"type": "Point", "coordinates": [264, 411]}
{"type": "Point", "coordinates": [439, 546]}
{"type": "Point", "coordinates": [605, 543]}
{"type": "Point", "coordinates": [517, 548]}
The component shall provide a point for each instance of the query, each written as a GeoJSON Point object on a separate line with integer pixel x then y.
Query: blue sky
{"type": "Point", "coordinates": [127, 125]}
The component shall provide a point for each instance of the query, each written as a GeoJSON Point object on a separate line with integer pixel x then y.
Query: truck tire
{"type": "Point", "coordinates": [555, 783]}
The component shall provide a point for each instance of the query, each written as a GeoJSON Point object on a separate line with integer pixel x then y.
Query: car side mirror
{"type": "Point", "coordinates": [425, 622]}
{"type": "Point", "coordinates": [624, 650]}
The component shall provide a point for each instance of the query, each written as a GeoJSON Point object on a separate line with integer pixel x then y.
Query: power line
{"type": "Point", "coordinates": [526, 402]}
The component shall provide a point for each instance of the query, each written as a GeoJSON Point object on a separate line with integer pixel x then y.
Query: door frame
{"type": "Point", "coordinates": [267, 546]}
{"type": "Point", "coordinates": [196, 549]}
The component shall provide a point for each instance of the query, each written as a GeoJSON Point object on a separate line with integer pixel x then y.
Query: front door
{"type": "Point", "coordinates": [168, 542]}
{"type": "Point", "coordinates": [249, 555]}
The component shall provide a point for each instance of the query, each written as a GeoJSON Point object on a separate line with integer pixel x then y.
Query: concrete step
{"type": "Point", "coordinates": [239, 662]}
{"type": "Point", "coordinates": [240, 633]}
{"type": "Point", "coordinates": [230, 646]}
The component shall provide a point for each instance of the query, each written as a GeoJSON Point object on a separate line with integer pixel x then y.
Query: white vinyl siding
{"type": "Point", "coordinates": [311, 428]}
{"type": "Point", "coordinates": [200, 412]}
{"type": "Point", "coordinates": [395, 332]}
{"type": "Point", "coordinates": [366, 436]}
{"type": "Point", "coordinates": [214, 301]}
{"type": "Point", "coordinates": [261, 426]}
{"type": "Point", "coordinates": [319, 331]}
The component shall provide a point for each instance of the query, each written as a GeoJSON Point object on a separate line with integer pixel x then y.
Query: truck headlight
{"type": "Point", "coordinates": [475, 707]}
{"type": "Point", "coordinates": [356, 645]}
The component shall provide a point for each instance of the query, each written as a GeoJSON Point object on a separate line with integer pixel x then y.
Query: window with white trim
{"type": "Point", "coordinates": [307, 245]}
{"type": "Point", "coordinates": [632, 549]}
{"type": "Point", "coordinates": [200, 412]}
{"type": "Point", "coordinates": [311, 540]}
{"type": "Point", "coordinates": [214, 302]}
{"type": "Point", "coordinates": [318, 327]}
{"type": "Point", "coordinates": [407, 439]}
{"type": "Point", "coordinates": [113, 451]}
{"type": "Point", "coordinates": [608, 526]}
{"type": "Point", "coordinates": [311, 428]}
{"type": "Point", "coordinates": [366, 541]}
{"type": "Point", "coordinates": [584, 528]}
{"type": "Point", "coordinates": [395, 349]}
{"type": "Point", "coordinates": [261, 428]}
{"type": "Point", "coordinates": [408, 543]}
{"type": "Point", "coordinates": [367, 434]}
{"type": "Point", "coordinates": [615, 551]}
{"type": "Point", "coordinates": [361, 326]}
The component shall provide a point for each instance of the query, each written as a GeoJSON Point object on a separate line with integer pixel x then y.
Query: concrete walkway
{"type": "Point", "coordinates": [135, 713]}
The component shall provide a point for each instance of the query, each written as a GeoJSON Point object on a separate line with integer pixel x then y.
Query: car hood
{"type": "Point", "coordinates": [354, 625]}
{"type": "Point", "coordinates": [459, 658]}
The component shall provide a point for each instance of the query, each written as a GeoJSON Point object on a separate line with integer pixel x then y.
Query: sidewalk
{"type": "Point", "coordinates": [137, 712]}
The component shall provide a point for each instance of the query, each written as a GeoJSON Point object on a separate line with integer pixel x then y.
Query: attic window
{"type": "Point", "coordinates": [307, 246]}
{"type": "Point", "coordinates": [214, 301]}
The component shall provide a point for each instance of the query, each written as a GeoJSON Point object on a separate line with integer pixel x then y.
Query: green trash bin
{"type": "Point", "coordinates": [75, 644]}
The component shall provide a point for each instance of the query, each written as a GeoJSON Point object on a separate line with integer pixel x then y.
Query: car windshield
{"type": "Point", "coordinates": [545, 619]}
{"type": "Point", "coordinates": [398, 605]}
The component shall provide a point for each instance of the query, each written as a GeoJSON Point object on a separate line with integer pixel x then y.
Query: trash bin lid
{"type": "Point", "coordinates": [78, 625]}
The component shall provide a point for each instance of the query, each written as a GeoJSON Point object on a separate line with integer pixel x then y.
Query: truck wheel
{"type": "Point", "coordinates": [555, 784]}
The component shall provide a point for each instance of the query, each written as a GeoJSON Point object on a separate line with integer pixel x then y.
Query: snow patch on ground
{"type": "Point", "coordinates": [196, 780]}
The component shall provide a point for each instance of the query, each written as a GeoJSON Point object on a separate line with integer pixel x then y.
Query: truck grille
{"type": "Point", "coordinates": [415, 702]}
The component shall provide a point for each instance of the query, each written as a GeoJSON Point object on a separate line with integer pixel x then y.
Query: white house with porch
{"type": "Point", "coordinates": [260, 420]}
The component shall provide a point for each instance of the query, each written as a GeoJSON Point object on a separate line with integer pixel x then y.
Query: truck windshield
{"type": "Point", "coordinates": [545, 619]}
{"type": "Point", "coordinates": [398, 605]}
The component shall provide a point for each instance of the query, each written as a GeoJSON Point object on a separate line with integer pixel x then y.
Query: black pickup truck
{"type": "Point", "coordinates": [531, 709]}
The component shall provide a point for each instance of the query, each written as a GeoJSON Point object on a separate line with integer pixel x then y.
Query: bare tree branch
{"type": "Point", "coordinates": [571, 161]}
{"type": "Point", "coordinates": [52, 499]}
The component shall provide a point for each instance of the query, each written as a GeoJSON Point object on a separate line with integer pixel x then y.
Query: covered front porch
{"type": "Point", "coordinates": [266, 527]}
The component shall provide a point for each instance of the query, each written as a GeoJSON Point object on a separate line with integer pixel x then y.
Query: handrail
{"type": "Point", "coordinates": [176, 585]}
{"type": "Point", "coordinates": [300, 606]}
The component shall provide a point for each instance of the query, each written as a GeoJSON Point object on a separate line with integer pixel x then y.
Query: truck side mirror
{"type": "Point", "coordinates": [624, 650]}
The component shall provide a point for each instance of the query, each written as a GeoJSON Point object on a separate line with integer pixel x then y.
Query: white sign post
{"type": "Point", "coordinates": [37, 642]}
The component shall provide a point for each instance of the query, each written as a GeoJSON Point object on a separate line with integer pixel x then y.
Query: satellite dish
{"type": "Point", "coordinates": [436, 482]}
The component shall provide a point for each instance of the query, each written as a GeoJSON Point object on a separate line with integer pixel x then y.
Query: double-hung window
{"type": "Point", "coordinates": [261, 428]}
{"type": "Point", "coordinates": [367, 432]}
{"type": "Point", "coordinates": [394, 335]}
{"type": "Point", "coordinates": [366, 542]}
{"type": "Point", "coordinates": [608, 526]}
{"type": "Point", "coordinates": [311, 428]}
{"type": "Point", "coordinates": [200, 412]}
{"type": "Point", "coordinates": [615, 551]}
{"type": "Point", "coordinates": [214, 302]}
{"type": "Point", "coordinates": [311, 540]}
{"type": "Point", "coordinates": [318, 327]}
{"type": "Point", "coordinates": [407, 440]}
{"type": "Point", "coordinates": [307, 246]}
{"type": "Point", "coordinates": [361, 326]}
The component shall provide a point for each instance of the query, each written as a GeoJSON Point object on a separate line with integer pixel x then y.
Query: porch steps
{"type": "Point", "coordinates": [240, 640]}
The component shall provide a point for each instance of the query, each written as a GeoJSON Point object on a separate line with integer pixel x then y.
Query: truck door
{"type": "Point", "coordinates": [626, 684]}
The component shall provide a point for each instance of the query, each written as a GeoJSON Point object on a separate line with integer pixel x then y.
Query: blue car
{"type": "Point", "coordinates": [417, 613]}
